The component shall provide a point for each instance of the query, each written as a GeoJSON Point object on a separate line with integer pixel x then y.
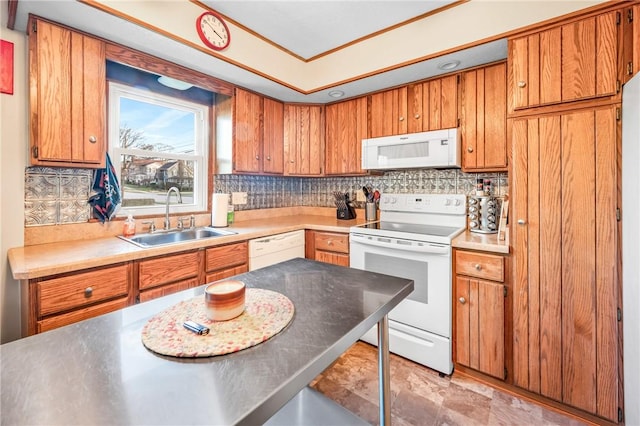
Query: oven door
{"type": "Point", "coordinates": [428, 307]}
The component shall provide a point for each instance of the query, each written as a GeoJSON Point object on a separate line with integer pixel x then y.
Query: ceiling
{"type": "Point", "coordinates": [309, 27]}
{"type": "Point", "coordinates": [311, 31]}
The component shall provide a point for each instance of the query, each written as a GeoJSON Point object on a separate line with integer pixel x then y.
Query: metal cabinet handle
{"type": "Point", "coordinates": [522, 222]}
{"type": "Point", "coordinates": [469, 149]}
{"type": "Point", "coordinates": [478, 266]}
{"type": "Point", "coordinates": [93, 139]}
{"type": "Point", "coordinates": [463, 300]}
{"type": "Point", "coordinates": [88, 292]}
{"type": "Point", "coordinates": [522, 83]}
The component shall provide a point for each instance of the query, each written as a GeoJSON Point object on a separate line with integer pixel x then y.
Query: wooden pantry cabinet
{"type": "Point", "coordinates": [419, 107]}
{"type": "Point", "coordinates": [346, 126]}
{"type": "Point", "coordinates": [565, 243]}
{"type": "Point", "coordinates": [573, 61]}
{"type": "Point", "coordinates": [304, 139]}
{"type": "Point", "coordinates": [67, 97]}
{"type": "Point", "coordinates": [54, 301]}
{"type": "Point", "coordinates": [329, 247]}
{"type": "Point", "coordinates": [257, 134]}
{"type": "Point", "coordinates": [480, 294]}
{"type": "Point", "coordinates": [483, 118]}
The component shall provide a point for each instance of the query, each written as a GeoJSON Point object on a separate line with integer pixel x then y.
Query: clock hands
{"type": "Point", "coordinates": [214, 30]}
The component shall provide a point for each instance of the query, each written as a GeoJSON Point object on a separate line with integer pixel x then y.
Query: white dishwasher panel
{"type": "Point", "coordinates": [275, 248]}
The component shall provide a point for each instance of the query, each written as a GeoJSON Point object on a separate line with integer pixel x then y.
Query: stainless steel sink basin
{"type": "Point", "coordinates": [160, 238]}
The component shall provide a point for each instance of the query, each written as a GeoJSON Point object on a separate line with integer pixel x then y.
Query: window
{"type": "Point", "coordinates": [157, 142]}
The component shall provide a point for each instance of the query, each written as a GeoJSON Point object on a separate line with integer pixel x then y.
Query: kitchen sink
{"type": "Point", "coordinates": [160, 238]}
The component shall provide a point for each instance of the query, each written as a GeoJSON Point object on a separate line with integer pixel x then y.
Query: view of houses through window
{"type": "Point", "coordinates": [161, 144]}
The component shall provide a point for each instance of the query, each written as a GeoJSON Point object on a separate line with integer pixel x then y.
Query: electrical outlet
{"type": "Point", "coordinates": [360, 196]}
{"type": "Point", "coordinates": [238, 198]}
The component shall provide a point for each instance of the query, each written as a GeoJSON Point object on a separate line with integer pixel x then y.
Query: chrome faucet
{"type": "Point", "coordinates": [167, 222]}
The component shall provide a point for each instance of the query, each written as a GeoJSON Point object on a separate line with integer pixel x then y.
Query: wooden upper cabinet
{"type": "Point", "coordinates": [67, 97]}
{"type": "Point", "coordinates": [303, 140]}
{"type": "Point", "coordinates": [346, 126]}
{"type": "Point", "coordinates": [419, 107]}
{"type": "Point", "coordinates": [388, 113]}
{"type": "Point", "coordinates": [247, 132]}
{"type": "Point", "coordinates": [574, 61]}
{"type": "Point", "coordinates": [483, 118]}
{"type": "Point", "coordinates": [273, 137]}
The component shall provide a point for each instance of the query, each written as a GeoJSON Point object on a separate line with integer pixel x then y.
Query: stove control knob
{"type": "Point", "coordinates": [457, 202]}
{"type": "Point", "coordinates": [473, 224]}
{"type": "Point", "coordinates": [392, 200]}
{"type": "Point", "coordinates": [447, 202]}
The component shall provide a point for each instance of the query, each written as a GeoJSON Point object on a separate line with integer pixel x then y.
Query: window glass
{"type": "Point", "coordinates": [157, 142]}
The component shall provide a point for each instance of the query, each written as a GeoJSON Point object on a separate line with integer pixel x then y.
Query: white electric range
{"type": "Point", "coordinates": [412, 240]}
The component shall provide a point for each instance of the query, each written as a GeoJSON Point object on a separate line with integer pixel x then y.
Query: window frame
{"type": "Point", "coordinates": [200, 157]}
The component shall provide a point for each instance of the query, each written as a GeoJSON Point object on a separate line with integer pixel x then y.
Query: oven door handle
{"type": "Point", "coordinates": [397, 244]}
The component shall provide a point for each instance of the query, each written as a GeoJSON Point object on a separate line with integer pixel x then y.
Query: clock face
{"type": "Point", "coordinates": [213, 31]}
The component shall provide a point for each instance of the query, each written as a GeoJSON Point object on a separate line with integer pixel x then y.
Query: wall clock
{"type": "Point", "coordinates": [213, 31]}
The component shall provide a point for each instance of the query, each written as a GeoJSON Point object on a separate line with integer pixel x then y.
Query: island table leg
{"type": "Point", "coordinates": [384, 376]}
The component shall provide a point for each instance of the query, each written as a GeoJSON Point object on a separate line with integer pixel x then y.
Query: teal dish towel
{"type": "Point", "coordinates": [106, 201]}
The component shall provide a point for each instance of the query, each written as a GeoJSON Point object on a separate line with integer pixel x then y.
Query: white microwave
{"type": "Point", "coordinates": [434, 149]}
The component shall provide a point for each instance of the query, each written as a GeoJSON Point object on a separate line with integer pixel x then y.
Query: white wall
{"type": "Point", "coordinates": [14, 136]}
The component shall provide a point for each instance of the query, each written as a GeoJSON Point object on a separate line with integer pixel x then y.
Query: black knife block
{"type": "Point", "coordinates": [346, 212]}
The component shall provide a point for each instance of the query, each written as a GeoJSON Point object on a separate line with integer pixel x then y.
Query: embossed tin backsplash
{"type": "Point", "coordinates": [58, 196]}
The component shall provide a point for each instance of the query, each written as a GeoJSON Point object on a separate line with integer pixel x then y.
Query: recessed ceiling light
{"type": "Point", "coordinates": [449, 65]}
{"type": "Point", "coordinates": [336, 93]}
{"type": "Point", "coordinates": [173, 83]}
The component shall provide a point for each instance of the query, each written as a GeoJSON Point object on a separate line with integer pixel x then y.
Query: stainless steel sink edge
{"type": "Point", "coordinates": [163, 238]}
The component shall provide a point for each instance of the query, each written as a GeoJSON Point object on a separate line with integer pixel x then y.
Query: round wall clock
{"type": "Point", "coordinates": [213, 31]}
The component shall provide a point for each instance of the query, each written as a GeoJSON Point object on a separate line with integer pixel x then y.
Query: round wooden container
{"type": "Point", "coordinates": [224, 300]}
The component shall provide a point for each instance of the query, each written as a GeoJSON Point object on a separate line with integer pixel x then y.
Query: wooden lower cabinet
{"type": "Point", "coordinates": [164, 275]}
{"type": "Point", "coordinates": [329, 247]}
{"type": "Point", "coordinates": [54, 301]}
{"type": "Point", "coordinates": [479, 306]}
{"type": "Point", "coordinates": [226, 261]}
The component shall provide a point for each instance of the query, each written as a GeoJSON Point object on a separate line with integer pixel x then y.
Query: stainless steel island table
{"type": "Point", "coordinates": [98, 371]}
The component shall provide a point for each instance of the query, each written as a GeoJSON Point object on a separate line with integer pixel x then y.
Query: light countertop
{"type": "Point", "coordinates": [55, 258]}
{"type": "Point", "coordinates": [483, 242]}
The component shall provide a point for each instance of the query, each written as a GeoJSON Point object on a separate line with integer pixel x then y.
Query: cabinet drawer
{"type": "Point", "coordinates": [224, 257]}
{"type": "Point", "coordinates": [56, 321]}
{"type": "Point", "coordinates": [226, 273]}
{"type": "Point", "coordinates": [164, 270]}
{"type": "Point", "coordinates": [330, 241]}
{"type": "Point", "coordinates": [487, 266]}
{"type": "Point", "coordinates": [85, 288]}
{"type": "Point", "coordinates": [156, 292]}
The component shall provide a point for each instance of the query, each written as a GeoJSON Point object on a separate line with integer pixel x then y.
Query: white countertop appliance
{"type": "Point", "coordinates": [413, 240]}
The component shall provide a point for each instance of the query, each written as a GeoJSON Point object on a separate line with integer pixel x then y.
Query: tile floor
{"type": "Point", "coordinates": [419, 396]}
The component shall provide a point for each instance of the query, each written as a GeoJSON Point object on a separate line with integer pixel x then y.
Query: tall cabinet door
{"type": "Point", "coordinates": [565, 280]}
{"type": "Point", "coordinates": [346, 126]}
{"type": "Point", "coordinates": [273, 136]}
{"type": "Point", "coordinates": [247, 131]}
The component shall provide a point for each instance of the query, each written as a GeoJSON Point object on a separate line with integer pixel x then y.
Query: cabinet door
{"type": "Point", "coordinates": [388, 113]}
{"type": "Point", "coordinates": [480, 325]}
{"type": "Point", "coordinates": [68, 95]}
{"type": "Point", "coordinates": [273, 138]}
{"type": "Point", "coordinates": [442, 108]}
{"type": "Point", "coordinates": [303, 139]}
{"type": "Point", "coordinates": [483, 123]}
{"type": "Point", "coordinates": [346, 126]}
{"type": "Point", "coordinates": [575, 61]}
{"type": "Point", "coordinates": [565, 277]}
{"type": "Point", "coordinates": [247, 132]}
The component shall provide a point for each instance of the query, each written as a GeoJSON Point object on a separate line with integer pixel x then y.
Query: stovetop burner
{"type": "Point", "coordinates": [414, 228]}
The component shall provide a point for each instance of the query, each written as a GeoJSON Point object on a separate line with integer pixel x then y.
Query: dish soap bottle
{"type": "Point", "coordinates": [129, 228]}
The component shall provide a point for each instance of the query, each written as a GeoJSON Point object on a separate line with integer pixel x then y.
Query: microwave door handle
{"type": "Point", "coordinates": [376, 241]}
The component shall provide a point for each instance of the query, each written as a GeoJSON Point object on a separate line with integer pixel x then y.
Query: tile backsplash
{"type": "Point", "coordinates": [59, 195]}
